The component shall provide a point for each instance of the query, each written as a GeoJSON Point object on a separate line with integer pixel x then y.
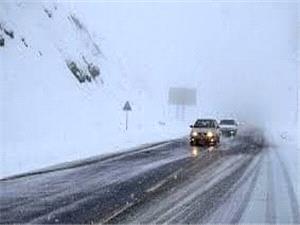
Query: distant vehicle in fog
{"type": "Point", "coordinates": [228, 127]}
{"type": "Point", "coordinates": [205, 132]}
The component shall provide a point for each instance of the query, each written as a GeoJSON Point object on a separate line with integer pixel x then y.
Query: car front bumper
{"type": "Point", "coordinates": [203, 140]}
{"type": "Point", "coordinates": [229, 132]}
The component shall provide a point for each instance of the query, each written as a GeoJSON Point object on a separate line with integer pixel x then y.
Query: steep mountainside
{"type": "Point", "coordinates": [63, 89]}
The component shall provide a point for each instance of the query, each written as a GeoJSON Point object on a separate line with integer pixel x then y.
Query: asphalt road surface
{"type": "Point", "coordinates": [167, 182]}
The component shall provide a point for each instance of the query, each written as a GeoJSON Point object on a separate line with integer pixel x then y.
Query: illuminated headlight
{"type": "Point", "coordinates": [209, 134]}
{"type": "Point", "coordinates": [194, 134]}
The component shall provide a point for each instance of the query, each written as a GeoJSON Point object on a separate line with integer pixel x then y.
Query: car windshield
{"type": "Point", "coordinates": [204, 123]}
{"type": "Point", "coordinates": [227, 122]}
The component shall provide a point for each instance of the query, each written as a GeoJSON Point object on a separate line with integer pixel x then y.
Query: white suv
{"type": "Point", "coordinates": [228, 127]}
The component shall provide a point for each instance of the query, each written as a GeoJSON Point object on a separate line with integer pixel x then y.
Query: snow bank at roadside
{"type": "Point", "coordinates": [54, 107]}
{"type": "Point", "coordinates": [285, 143]}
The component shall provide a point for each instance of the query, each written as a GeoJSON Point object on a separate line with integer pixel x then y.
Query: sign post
{"type": "Point", "coordinates": [126, 108]}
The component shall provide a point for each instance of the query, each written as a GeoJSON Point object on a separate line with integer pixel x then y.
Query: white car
{"type": "Point", "coordinates": [228, 127]}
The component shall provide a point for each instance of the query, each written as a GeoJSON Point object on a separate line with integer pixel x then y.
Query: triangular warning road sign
{"type": "Point", "coordinates": [127, 106]}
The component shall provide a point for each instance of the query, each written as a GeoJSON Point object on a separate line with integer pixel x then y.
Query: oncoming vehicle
{"type": "Point", "coordinates": [205, 132]}
{"type": "Point", "coordinates": [228, 127]}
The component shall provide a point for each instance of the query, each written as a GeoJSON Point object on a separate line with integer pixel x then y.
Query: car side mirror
{"type": "Point", "coordinates": [191, 126]}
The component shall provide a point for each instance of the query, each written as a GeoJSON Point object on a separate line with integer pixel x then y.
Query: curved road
{"type": "Point", "coordinates": [167, 182]}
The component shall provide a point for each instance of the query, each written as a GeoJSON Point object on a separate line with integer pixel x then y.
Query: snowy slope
{"type": "Point", "coordinates": [63, 89]}
{"type": "Point", "coordinates": [67, 68]}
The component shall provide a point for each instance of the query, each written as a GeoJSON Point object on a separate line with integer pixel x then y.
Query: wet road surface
{"type": "Point", "coordinates": [167, 182]}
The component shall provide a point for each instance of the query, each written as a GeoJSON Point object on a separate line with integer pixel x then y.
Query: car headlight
{"type": "Point", "coordinates": [194, 133]}
{"type": "Point", "coordinates": [209, 134]}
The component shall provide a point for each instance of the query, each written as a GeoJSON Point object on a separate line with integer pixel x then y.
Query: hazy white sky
{"type": "Point", "coordinates": [240, 56]}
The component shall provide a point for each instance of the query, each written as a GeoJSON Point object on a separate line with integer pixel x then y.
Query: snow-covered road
{"type": "Point", "coordinates": [268, 194]}
{"type": "Point", "coordinates": [168, 182]}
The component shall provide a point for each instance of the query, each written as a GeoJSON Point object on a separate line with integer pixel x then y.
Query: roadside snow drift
{"type": "Point", "coordinates": [62, 91]}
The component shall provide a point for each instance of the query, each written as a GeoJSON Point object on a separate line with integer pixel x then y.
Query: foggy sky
{"type": "Point", "coordinates": [241, 57]}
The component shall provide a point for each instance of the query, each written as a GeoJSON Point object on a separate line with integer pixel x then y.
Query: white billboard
{"type": "Point", "coordinates": [182, 96]}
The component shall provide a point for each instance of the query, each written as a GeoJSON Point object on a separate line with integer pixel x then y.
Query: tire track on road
{"type": "Point", "coordinates": [270, 216]}
{"type": "Point", "coordinates": [219, 191]}
{"type": "Point", "coordinates": [192, 193]}
{"type": "Point", "coordinates": [136, 180]}
{"type": "Point", "coordinates": [234, 203]}
{"type": "Point", "coordinates": [199, 211]}
{"type": "Point", "coordinates": [200, 162]}
{"type": "Point", "coordinates": [244, 203]}
{"type": "Point", "coordinates": [290, 188]}
{"type": "Point", "coordinates": [203, 205]}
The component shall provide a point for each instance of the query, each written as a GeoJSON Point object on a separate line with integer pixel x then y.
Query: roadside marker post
{"type": "Point", "coordinates": [127, 108]}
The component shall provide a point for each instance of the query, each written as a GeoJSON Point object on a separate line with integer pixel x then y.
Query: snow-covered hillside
{"type": "Point", "coordinates": [62, 91]}
{"type": "Point", "coordinates": [68, 67]}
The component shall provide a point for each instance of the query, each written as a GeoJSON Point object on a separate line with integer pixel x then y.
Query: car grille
{"type": "Point", "coordinates": [202, 134]}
